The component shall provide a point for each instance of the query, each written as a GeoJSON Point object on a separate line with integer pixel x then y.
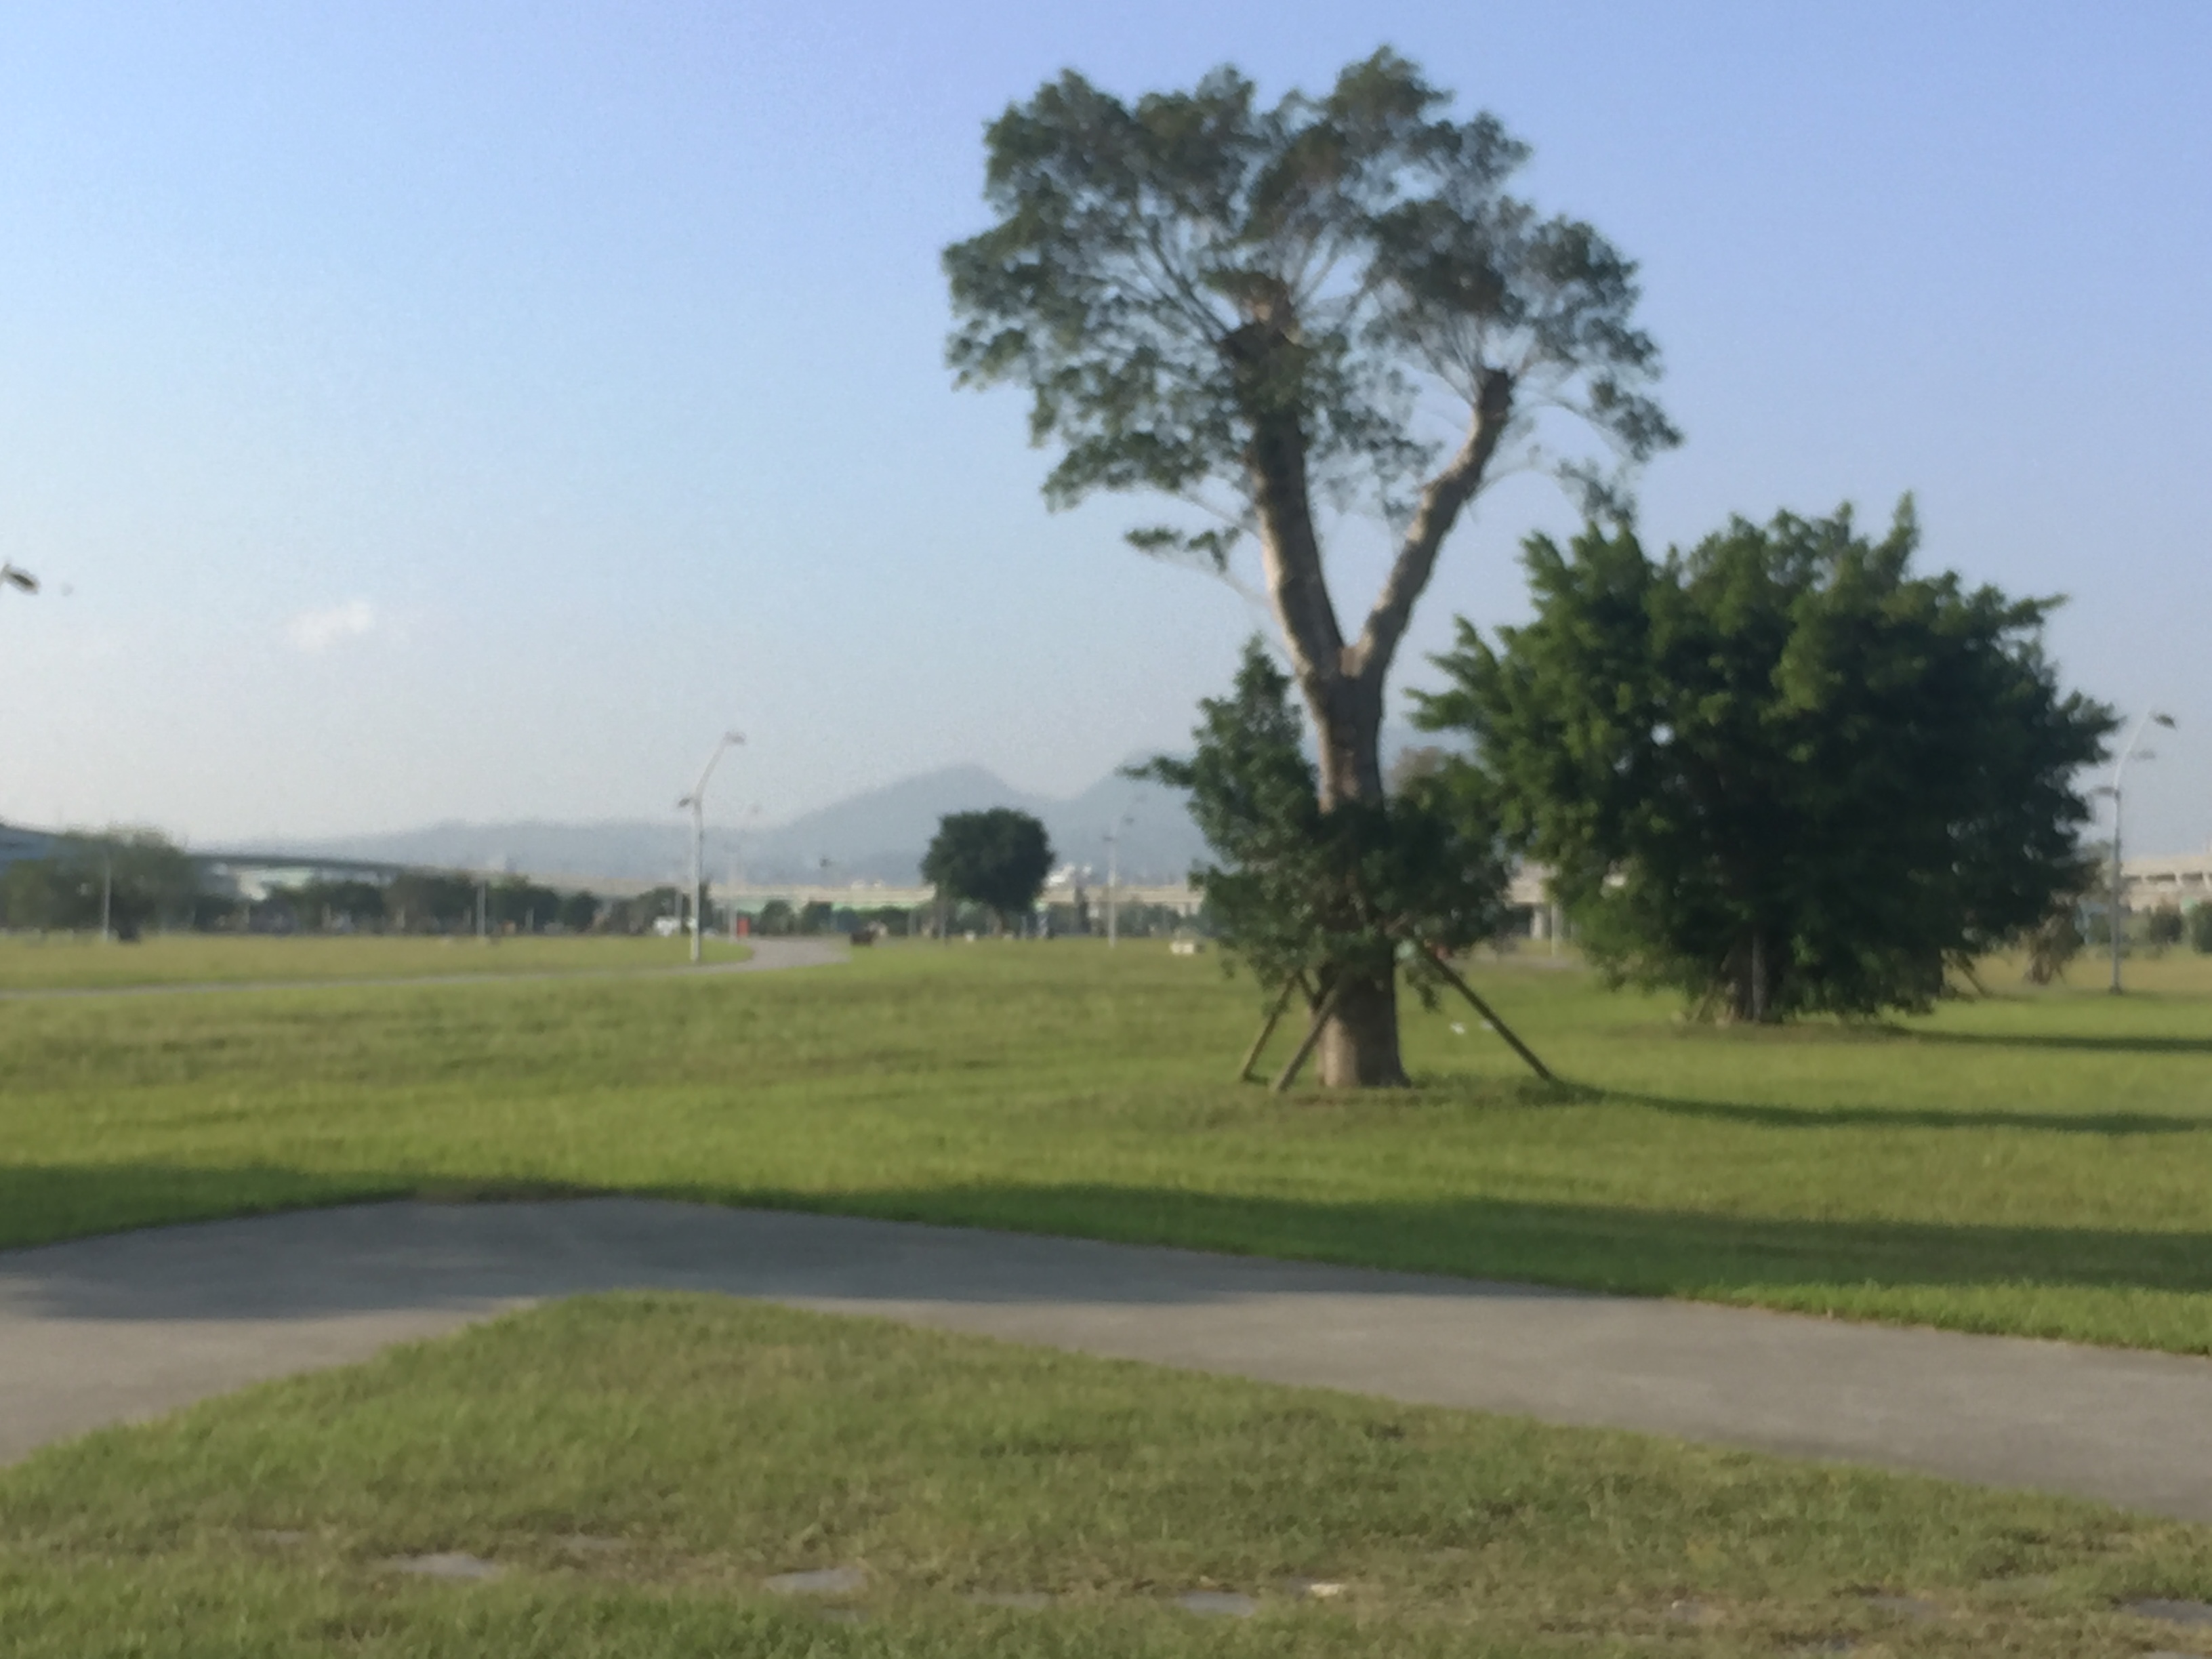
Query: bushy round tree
{"type": "Point", "coordinates": [1780, 770]}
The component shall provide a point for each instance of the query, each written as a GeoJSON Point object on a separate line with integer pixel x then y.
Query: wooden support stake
{"type": "Point", "coordinates": [1322, 1010]}
{"type": "Point", "coordinates": [1268, 1029]}
{"type": "Point", "coordinates": [1491, 1014]}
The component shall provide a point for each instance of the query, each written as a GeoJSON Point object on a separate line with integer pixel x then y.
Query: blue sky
{"type": "Point", "coordinates": [467, 410]}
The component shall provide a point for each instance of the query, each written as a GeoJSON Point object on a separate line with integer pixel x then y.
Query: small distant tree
{"type": "Point", "coordinates": [2200, 929]}
{"type": "Point", "coordinates": [2163, 927]}
{"type": "Point", "coordinates": [1294, 891]}
{"type": "Point", "coordinates": [517, 901]}
{"type": "Point", "coordinates": [998, 859]}
{"type": "Point", "coordinates": [428, 901]}
{"type": "Point", "coordinates": [316, 904]}
{"type": "Point", "coordinates": [1780, 771]}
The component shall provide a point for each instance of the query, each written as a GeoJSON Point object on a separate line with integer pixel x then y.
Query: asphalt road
{"type": "Point", "coordinates": [132, 1325]}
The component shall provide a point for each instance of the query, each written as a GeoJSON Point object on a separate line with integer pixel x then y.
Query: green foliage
{"type": "Point", "coordinates": [1298, 890]}
{"type": "Point", "coordinates": [318, 904]}
{"type": "Point", "coordinates": [1780, 771]}
{"type": "Point", "coordinates": [997, 859]}
{"type": "Point", "coordinates": [2200, 929]}
{"type": "Point", "coordinates": [147, 879]}
{"type": "Point", "coordinates": [523, 904]}
{"type": "Point", "coordinates": [2162, 927]}
{"type": "Point", "coordinates": [421, 901]}
{"type": "Point", "coordinates": [1171, 279]}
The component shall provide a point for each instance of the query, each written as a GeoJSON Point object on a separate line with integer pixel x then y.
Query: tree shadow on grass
{"type": "Point", "coordinates": [1656, 1252]}
{"type": "Point", "coordinates": [368, 1259]}
{"type": "Point", "coordinates": [2065, 1040]}
{"type": "Point", "coordinates": [2108, 1124]}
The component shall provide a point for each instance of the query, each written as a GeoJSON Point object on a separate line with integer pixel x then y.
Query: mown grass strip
{"type": "Point", "coordinates": [638, 1466]}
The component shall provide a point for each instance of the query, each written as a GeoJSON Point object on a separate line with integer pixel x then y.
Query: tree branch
{"type": "Point", "coordinates": [1441, 503]}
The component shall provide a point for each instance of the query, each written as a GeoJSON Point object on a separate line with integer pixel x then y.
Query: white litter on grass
{"type": "Point", "coordinates": [1315, 1589]}
{"type": "Point", "coordinates": [1458, 1029]}
{"type": "Point", "coordinates": [449, 1565]}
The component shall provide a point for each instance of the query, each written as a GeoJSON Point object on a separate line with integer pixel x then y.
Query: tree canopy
{"type": "Point", "coordinates": [1259, 310]}
{"type": "Point", "coordinates": [1296, 891]}
{"type": "Point", "coordinates": [997, 859]}
{"type": "Point", "coordinates": [1779, 771]}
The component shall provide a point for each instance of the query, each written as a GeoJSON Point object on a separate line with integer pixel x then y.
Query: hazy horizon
{"type": "Point", "coordinates": [463, 413]}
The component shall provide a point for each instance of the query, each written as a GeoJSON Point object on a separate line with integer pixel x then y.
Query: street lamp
{"type": "Point", "coordinates": [696, 801]}
{"type": "Point", "coordinates": [2135, 751]}
{"type": "Point", "coordinates": [1113, 875]}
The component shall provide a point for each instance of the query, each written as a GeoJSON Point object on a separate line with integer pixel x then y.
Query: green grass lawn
{"type": "Point", "coordinates": [2037, 1162]}
{"type": "Point", "coordinates": [67, 961]}
{"type": "Point", "coordinates": [636, 1467]}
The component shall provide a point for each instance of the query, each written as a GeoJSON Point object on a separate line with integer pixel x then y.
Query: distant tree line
{"type": "Point", "coordinates": [137, 881]}
{"type": "Point", "coordinates": [133, 880]}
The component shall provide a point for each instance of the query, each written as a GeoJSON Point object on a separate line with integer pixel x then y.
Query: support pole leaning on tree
{"type": "Point", "coordinates": [1267, 1026]}
{"type": "Point", "coordinates": [1322, 1010]}
{"type": "Point", "coordinates": [1452, 979]}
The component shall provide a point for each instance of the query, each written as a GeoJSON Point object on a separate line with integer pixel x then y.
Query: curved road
{"type": "Point", "coordinates": [106, 1329]}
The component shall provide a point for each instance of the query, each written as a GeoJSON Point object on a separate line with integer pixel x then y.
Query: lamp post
{"type": "Point", "coordinates": [2135, 751]}
{"type": "Point", "coordinates": [1114, 876]}
{"type": "Point", "coordinates": [696, 801]}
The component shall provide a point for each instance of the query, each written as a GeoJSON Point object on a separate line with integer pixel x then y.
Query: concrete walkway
{"type": "Point", "coordinates": [767, 956]}
{"type": "Point", "coordinates": [133, 1324]}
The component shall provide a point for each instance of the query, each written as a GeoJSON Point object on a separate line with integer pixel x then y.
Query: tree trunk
{"type": "Point", "coordinates": [1343, 684]}
{"type": "Point", "coordinates": [1359, 1044]}
{"type": "Point", "coordinates": [1752, 980]}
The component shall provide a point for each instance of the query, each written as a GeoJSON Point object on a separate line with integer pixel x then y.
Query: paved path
{"type": "Point", "coordinates": [134, 1324]}
{"type": "Point", "coordinates": [767, 956]}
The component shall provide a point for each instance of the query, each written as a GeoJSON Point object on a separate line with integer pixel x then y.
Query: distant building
{"type": "Point", "coordinates": [2173, 883]}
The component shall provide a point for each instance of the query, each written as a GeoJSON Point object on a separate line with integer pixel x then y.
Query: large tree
{"type": "Point", "coordinates": [1779, 771]}
{"type": "Point", "coordinates": [1258, 310]}
{"type": "Point", "coordinates": [998, 858]}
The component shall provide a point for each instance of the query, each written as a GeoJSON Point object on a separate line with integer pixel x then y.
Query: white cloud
{"type": "Point", "coordinates": [318, 630]}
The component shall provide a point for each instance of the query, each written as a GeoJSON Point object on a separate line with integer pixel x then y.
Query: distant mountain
{"type": "Point", "coordinates": [878, 835]}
